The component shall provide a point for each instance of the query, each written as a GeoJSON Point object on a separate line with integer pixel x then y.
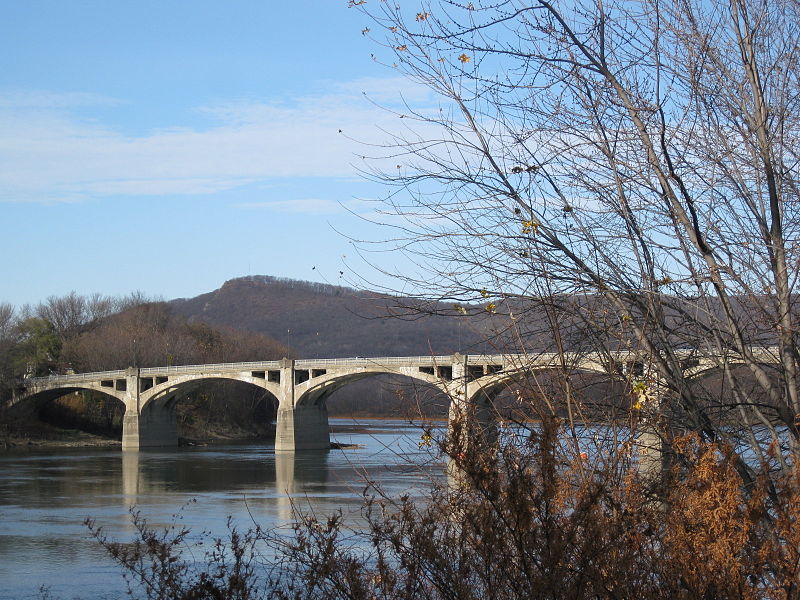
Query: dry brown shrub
{"type": "Point", "coordinates": [707, 524]}
{"type": "Point", "coordinates": [537, 519]}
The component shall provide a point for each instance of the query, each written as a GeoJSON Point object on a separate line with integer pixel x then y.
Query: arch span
{"type": "Point", "coordinates": [158, 405]}
{"type": "Point", "coordinates": [164, 390]}
{"type": "Point", "coordinates": [317, 390]}
{"type": "Point", "coordinates": [84, 408]}
{"type": "Point", "coordinates": [578, 393]}
{"type": "Point", "coordinates": [49, 393]}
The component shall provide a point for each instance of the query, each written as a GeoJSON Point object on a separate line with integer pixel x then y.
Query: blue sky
{"type": "Point", "coordinates": [167, 146]}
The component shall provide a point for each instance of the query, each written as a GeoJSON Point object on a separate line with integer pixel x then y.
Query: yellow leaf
{"type": "Point", "coordinates": [530, 226]}
{"type": "Point", "coordinates": [422, 16]}
{"type": "Point", "coordinates": [464, 58]}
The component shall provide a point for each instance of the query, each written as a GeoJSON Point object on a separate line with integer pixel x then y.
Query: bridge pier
{"type": "Point", "coordinates": [303, 427]}
{"type": "Point", "coordinates": [471, 416]}
{"type": "Point", "coordinates": [155, 427]}
{"type": "Point", "coordinates": [651, 455]}
{"type": "Point", "coordinates": [649, 444]}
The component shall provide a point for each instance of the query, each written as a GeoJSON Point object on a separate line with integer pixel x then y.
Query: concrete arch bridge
{"type": "Point", "coordinates": [302, 386]}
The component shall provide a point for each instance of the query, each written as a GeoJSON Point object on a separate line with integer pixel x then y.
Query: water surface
{"type": "Point", "coordinates": [46, 495]}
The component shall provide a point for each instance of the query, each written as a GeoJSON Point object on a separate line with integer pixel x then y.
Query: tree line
{"type": "Point", "coordinates": [95, 333]}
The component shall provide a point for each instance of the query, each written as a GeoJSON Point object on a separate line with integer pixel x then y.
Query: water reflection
{"type": "Point", "coordinates": [130, 477]}
{"type": "Point", "coordinates": [298, 476]}
{"type": "Point", "coordinates": [45, 497]}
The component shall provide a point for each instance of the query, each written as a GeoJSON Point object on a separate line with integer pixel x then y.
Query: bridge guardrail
{"type": "Point", "coordinates": [240, 366]}
{"type": "Point", "coordinates": [472, 359]}
{"type": "Point", "coordinates": [373, 360]}
{"type": "Point", "coordinates": [78, 376]}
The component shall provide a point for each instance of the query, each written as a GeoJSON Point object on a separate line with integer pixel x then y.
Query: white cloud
{"type": "Point", "coordinates": [313, 206]}
{"type": "Point", "coordinates": [309, 206]}
{"type": "Point", "coordinates": [49, 154]}
{"type": "Point", "coordinates": [41, 99]}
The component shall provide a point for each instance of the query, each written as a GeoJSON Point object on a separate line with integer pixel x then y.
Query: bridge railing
{"type": "Point", "coordinates": [240, 366]}
{"type": "Point", "coordinates": [274, 364]}
{"type": "Point", "coordinates": [77, 377]}
{"type": "Point", "coordinates": [373, 360]}
{"type": "Point", "coordinates": [472, 359]}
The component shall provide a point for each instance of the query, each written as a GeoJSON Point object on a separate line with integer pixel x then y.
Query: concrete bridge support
{"type": "Point", "coordinates": [471, 414]}
{"type": "Point", "coordinates": [303, 427]}
{"type": "Point", "coordinates": [300, 426]}
{"type": "Point", "coordinates": [649, 444]}
{"type": "Point", "coordinates": [651, 455]}
{"type": "Point", "coordinates": [302, 386]}
{"type": "Point", "coordinates": [155, 427]}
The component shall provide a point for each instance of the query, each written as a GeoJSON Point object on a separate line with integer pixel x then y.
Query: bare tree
{"type": "Point", "coordinates": [68, 314]}
{"type": "Point", "coordinates": [99, 307]}
{"type": "Point", "coordinates": [7, 314]}
{"type": "Point", "coordinates": [7, 327]}
{"type": "Point", "coordinates": [631, 168]}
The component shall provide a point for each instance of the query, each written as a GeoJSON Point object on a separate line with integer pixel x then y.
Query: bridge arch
{"type": "Point", "coordinates": [492, 383]}
{"type": "Point", "coordinates": [722, 401]}
{"type": "Point", "coordinates": [101, 412]}
{"type": "Point", "coordinates": [587, 391]}
{"type": "Point", "coordinates": [49, 393]}
{"type": "Point", "coordinates": [316, 391]}
{"type": "Point", "coordinates": [157, 418]}
{"type": "Point", "coordinates": [162, 392]}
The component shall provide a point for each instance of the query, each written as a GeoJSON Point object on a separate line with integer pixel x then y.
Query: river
{"type": "Point", "coordinates": [46, 495]}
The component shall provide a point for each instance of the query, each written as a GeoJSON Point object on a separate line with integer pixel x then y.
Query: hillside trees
{"type": "Point", "coordinates": [96, 333]}
{"type": "Point", "coordinates": [629, 170]}
{"type": "Point", "coordinates": [37, 347]}
{"type": "Point", "coordinates": [72, 313]}
{"type": "Point", "coordinates": [152, 335]}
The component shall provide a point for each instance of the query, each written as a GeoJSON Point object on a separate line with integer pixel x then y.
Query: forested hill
{"type": "Point", "coordinates": [318, 320]}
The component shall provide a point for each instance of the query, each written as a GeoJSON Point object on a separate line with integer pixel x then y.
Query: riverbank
{"type": "Point", "coordinates": [38, 435]}
{"type": "Point", "coordinates": [57, 438]}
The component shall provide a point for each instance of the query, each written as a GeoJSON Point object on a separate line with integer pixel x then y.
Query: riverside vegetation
{"type": "Point", "coordinates": [99, 333]}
